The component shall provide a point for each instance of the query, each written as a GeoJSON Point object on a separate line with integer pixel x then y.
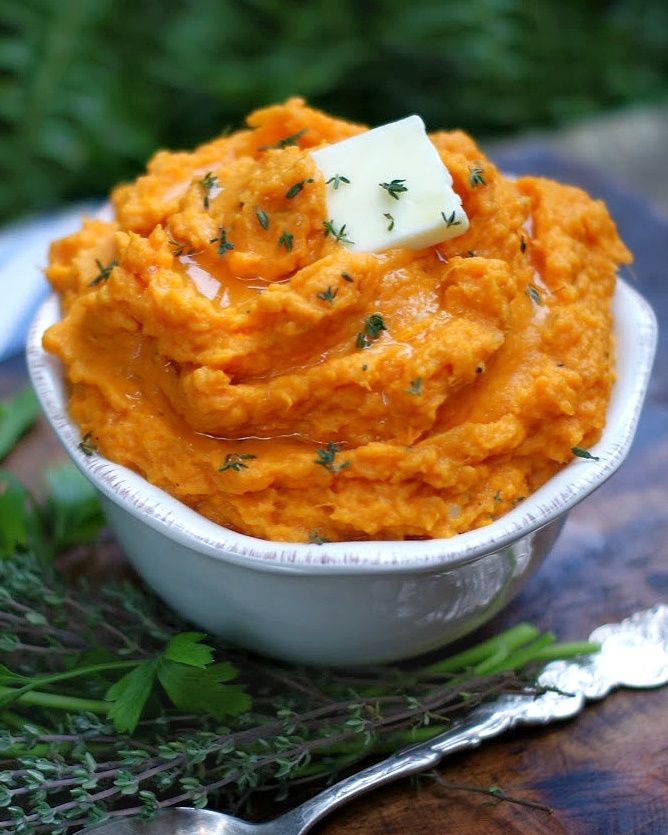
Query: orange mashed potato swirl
{"type": "Point", "coordinates": [218, 342]}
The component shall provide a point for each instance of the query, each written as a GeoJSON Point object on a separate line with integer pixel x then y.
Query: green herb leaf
{"type": "Point", "coordinates": [72, 510]}
{"type": "Point", "coordinates": [390, 225]}
{"type": "Point", "coordinates": [328, 295]}
{"type": "Point", "coordinates": [373, 325]}
{"type": "Point", "coordinates": [584, 453]}
{"type": "Point", "coordinates": [286, 240]}
{"type": "Point", "coordinates": [394, 188]}
{"type": "Point", "coordinates": [325, 457]}
{"type": "Point", "coordinates": [129, 695]}
{"type": "Point", "coordinates": [181, 248]}
{"type": "Point", "coordinates": [202, 690]}
{"type": "Point", "coordinates": [235, 461]}
{"type": "Point", "coordinates": [223, 243]}
{"type": "Point", "coordinates": [294, 190]}
{"type": "Point", "coordinates": [449, 220]}
{"type": "Point", "coordinates": [262, 217]}
{"type": "Point", "coordinates": [208, 182]}
{"type": "Point", "coordinates": [477, 176]}
{"type": "Point", "coordinates": [293, 139]}
{"type": "Point", "coordinates": [187, 648]}
{"type": "Point", "coordinates": [315, 538]}
{"type": "Point", "coordinates": [347, 277]}
{"type": "Point", "coordinates": [523, 244]}
{"type": "Point", "coordinates": [104, 272]}
{"type": "Point", "coordinates": [87, 445]}
{"type": "Point", "coordinates": [336, 181]}
{"type": "Point", "coordinates": [339, 236]}
{"type": "Point", "coordinates": [415, 387]}
{"type": "Point", "coordinates": [534, 294]}
{"type": "Point", "coordinates": [17, 415]}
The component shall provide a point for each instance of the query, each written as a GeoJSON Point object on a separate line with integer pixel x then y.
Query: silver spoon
{"type": "Point", "coordinates": [634, 653]}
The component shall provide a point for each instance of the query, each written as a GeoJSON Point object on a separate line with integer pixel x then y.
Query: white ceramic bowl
{"type": "Point", "coordinates": [346, 602]}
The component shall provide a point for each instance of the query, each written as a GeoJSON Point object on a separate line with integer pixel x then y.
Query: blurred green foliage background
{"type": "Point", "coordinates": [90, 88]}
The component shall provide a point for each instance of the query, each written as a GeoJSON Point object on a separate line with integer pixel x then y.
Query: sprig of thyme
{"type": "Point", "coordinates": [292, 139]}
{"type": "Point", "coordinates": [208, 182]}
{"type": "Point", "coordinates": [328, 295]}
{"type": "Point", "coordinates": [394, 188]}
{"type": "Point", "coordinates": [325, 457]}
{"type": "Point", "coordinates": [223, 243]}
{"type": "Point", "coordinates": [87, 445]}
{"type": "Point", "coordinates": [450, 220]}
{"type": "Point", "coordinates": [340, 236]}
{"type": "Point", "coordinates": [104, 272]}
{"type": "Point", "coordinates": [477, 176]}
{"type": "Point", "coordinates": [373, 325]}
{"type": "Point", "coordinates": [336, 181]}
{"type": "Point", "coordinates": [286, 240]}
{"type": "Point", "coordinates": [236, 461]}
{"type": "Point", "coordinates": [390, 219]}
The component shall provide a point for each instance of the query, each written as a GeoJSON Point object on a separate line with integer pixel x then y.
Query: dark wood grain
{"type": "Point", "coordinates": [607, 771]}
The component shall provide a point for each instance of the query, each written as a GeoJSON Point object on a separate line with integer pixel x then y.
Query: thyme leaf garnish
{"type": "Point", "coordinates": [534, 295]}
{"type": "Point", "coordinates": [449, 220]}
{"type": "Point", "coordinates": [235, 461]}
{"type": "Point", "coordinates": [181, 248]}
{"type": "Point", "coordinates": [209, 181]}
{"type": "Point", "coordinates": [347, 277]}
{"type": "Point", "coordinates": [394, 188]}
{"type": "Point", "coordinates": [286, 240]}
{"type": "Point", "coordinates": [223, 243]}
{"type": "Point", "coordinates": [294, 189]}
{"type": "Point", "coordinates": [325, 457]}
{"type": "Point", "coordinates": [584, 453]}
{"type": "Point", "coordinates": [283, 143]}
{"type": "Point", "coordinates": [263, 218]}
{"type": "Point", "coordinates": [87, 445]}
{"type": "Point", "coordinates": [390, 225]}
{"type": "Point", "coordinates": [477, 176]}
{"type": "Point", "coordinates": [336, 181]}
{"type": "Point", "coordinates": [340, 236]}
{"type": "Point", "coordinates": [523, 244]}
{"type": "Point", "coordinates": [415, 387]}
{"type": "Point", "coordinates": [373, 325]}
{"type": "Point", "coordinates": [315, 537]}
{"type": "Point", "coordinates": [104, 273]}
{"type": "Point", "coordinates": [328, 295]}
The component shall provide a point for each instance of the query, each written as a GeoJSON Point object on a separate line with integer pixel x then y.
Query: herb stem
{"type": "Point", "coordinates": [512, 638]}
{"type": "Point", "coordinates": [38, 698]}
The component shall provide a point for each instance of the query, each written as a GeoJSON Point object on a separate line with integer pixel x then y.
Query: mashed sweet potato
{"type": "Point", "coordinates": [219, 343]}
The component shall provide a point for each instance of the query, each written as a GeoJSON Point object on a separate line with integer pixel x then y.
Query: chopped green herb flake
{"type": "Point", "coordinates": [223, 243]}
{"type": "Point", "coordinates": [347, 277]}
{"type": "Point", "coordinates": [415, 387]}
{"type": "Point", "coordinates": [584, 453]}
{"type": "Point", "coordinates": [87, 445]}
{"type": "Point", "coordinates": [286, 240]}
{"type": "Point", "coordinates": [293, 139]}
{"type": "Point", "coordinates": [315, 537]}
{"type": "Point", "coordinates": [449, 220]}
{"type": "Point", "coordinates": [497, 496]}
{"type": "Point", "coordinates": [339, 236]}
{"type": "Point", "coordinates": [262, 217]}
{"type": "Point", "coordinates": [477, 176]}
{"type": "Point", "coordinates": [181, 248]}
{"type": "Point", "coordinates": [394, 188]}
{"type": "Point", "coordinates": [328, 295]}
{"type": "Point", "coordinates": [373, 325]}
{"type": "Point", "coordinates": [104, 272]}
{"type": "Point", "coordinates": [209, 181]}
{"type": "Point", "coordinates": [326, 455]}
{"type": "Point", "coordinates": [235, 461]}
{"type": "Point", "coordinates": [534, 295]}
{"type": "Point", "coordinates": [336, 181]}
{"type": "Point", "coordinates": [294, 190]}
{"type": "Point", "coordinates": [390, 225]}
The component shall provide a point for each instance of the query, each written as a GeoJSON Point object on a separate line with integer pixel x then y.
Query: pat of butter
{"type": "Point", "coordinates": [417, 208]}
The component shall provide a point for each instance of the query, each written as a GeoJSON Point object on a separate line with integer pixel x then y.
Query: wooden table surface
{"type": "Point", "coordinates": [607, 771]}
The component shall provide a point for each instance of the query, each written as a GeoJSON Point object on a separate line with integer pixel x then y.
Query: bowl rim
{"type": "Point", "coordinates": [636, 331]}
